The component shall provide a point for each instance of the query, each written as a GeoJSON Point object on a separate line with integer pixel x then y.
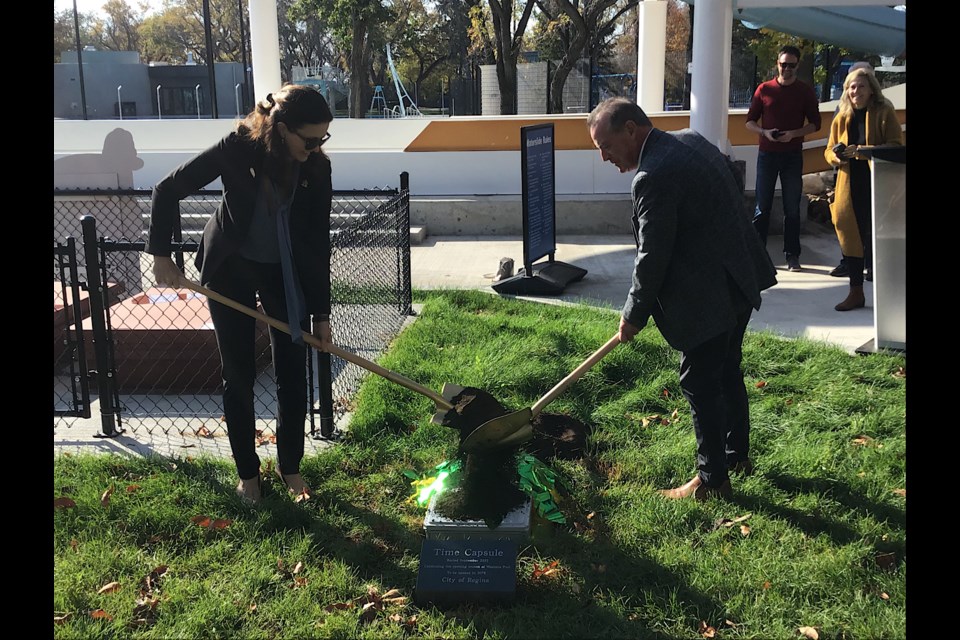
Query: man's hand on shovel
{"type": "Point", "coordinates": [322, 332]}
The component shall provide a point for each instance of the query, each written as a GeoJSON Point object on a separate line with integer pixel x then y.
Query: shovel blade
{"type": "Point", "coordinates": [449, 392]}
{"type": "Point", "coordinates": [498, 432]}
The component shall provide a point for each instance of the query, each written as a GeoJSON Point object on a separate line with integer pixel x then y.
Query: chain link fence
{"type": "Point", "coordinates": [146, 357]}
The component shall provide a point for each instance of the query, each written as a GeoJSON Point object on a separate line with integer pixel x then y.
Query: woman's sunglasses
{"type": "Point", "coordinates": [312, 143]}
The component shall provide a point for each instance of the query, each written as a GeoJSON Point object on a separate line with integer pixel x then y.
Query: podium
{"type": "Point", "coordinates": [888, 176]}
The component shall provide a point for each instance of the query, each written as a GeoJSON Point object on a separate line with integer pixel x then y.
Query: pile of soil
{"type": "Point", "coordinates": [489, 482]}
{"type": "Point", "coordinates": [488, 489]}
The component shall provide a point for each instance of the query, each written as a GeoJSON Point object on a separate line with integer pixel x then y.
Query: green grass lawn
{"type": "Point", "coordinates": [815, 538]}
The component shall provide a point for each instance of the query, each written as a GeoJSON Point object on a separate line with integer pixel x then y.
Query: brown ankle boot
{"type": "Point", "coordinates": [854, 299]}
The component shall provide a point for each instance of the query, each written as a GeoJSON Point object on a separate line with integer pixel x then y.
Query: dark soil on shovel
{"type": "Point", "coordinates": [489, 484]}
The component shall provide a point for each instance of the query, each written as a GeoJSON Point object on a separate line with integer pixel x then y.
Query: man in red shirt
{"type": "Point", "coordinates": [782, 105]}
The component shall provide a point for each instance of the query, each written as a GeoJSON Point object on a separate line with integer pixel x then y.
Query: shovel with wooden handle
{"type": "Point", "coordinates": [515, 428]}
{"type": "Point", "coordinates": [442, 405]}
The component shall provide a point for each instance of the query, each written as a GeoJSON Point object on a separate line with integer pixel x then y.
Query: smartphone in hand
{"type": "Point", "coordinates": [776, 133]}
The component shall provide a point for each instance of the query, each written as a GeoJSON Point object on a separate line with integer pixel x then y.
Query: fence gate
{"type": "Point", "coordinates": [71, 387]}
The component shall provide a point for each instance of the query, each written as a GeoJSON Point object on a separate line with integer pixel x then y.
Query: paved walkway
{"type": "Point", "coordinates": [801, 304]}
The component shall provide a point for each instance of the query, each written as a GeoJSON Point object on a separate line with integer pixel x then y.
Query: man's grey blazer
{"type": "Point", "coordinates": [699, 261]}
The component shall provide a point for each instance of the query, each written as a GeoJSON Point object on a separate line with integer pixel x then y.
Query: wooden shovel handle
{"type": "Point", "coordinates": [314, 342]}
{"type": "Point", "coordinates": [576, 374]}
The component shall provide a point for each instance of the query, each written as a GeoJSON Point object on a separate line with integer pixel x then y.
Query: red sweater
{"type": "Point", "coordinates": [784, 107]}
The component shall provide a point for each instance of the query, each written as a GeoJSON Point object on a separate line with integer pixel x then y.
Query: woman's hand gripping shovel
{"type": "Point", "coordinates": [442, 405]}
{"type": "Point", "coordinates": [515, 428]}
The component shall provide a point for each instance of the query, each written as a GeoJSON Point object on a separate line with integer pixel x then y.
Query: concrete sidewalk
{"type": "Point", "coordinates": [801, 304]}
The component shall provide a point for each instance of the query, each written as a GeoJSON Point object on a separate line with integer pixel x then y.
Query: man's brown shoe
{"type": "Point", "coordinates": [699, 491]}
{"type": "Point", "coordinates": [724, 491]}
{"type": "Point", "coordinates": [684, 491]}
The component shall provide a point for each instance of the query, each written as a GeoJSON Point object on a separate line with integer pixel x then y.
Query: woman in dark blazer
{"type": "Point", "coordinates": [269, 238]}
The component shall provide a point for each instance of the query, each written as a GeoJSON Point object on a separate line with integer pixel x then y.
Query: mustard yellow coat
{"type": "Point", "coordinates": [882, 128]}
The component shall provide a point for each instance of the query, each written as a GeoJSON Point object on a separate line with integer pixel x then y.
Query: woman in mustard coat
{"type": "Point", "coordinates": [865, 118]}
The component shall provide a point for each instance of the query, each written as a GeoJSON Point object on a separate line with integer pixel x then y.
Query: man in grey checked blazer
{"type": "Point", "coordinates": [699, 271]}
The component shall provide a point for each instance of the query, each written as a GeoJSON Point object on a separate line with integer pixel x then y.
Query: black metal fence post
{"type": "Point", "coordinates": [403, 247]}
{"type": "Point", "coordinates": [325, 389]}
{"type": "Point", "coordinates": [98, 303]}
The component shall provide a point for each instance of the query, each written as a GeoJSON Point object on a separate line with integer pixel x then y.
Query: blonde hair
{"type": "Point", "coordinates": [877, 99]}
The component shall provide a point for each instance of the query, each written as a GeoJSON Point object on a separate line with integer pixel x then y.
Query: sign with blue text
{"type": "Point", "coordinates": [539, 193]}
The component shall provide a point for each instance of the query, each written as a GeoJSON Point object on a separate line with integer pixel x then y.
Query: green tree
{"type": "Point", "coordinates": [119, 29]}
{"type": "Point", "coordinates": [168, 35]}
{"type": "Point", "coordinates": [579, 27]}
{"type": "Point", "coordinates": [507, 38]}
{"type": "Point", "coordinates": [64, 33]}
{"type": "Point", "coordinates": [304, 41]}
{"type": "Point", "coordinates": [355, 26]}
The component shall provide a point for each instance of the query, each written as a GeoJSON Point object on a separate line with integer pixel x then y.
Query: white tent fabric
{"type": "Point", "coordinates": [876, 29]}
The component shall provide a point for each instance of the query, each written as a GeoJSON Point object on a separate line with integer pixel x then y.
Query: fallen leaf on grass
{"type": "Point", "coordinates": [591, 515]}
{"type": "Point", "coordinates": [110, 587]}
{"type": "Point", "coordinates": [74, 544]}
{"type": "Point", "coordinates": [884, 596]}
{"type": "Point", "coordinates": [809, 632]}
{"type": "Point", "coordinates": [901, 492]}
{"type": "Point", "coordinates": [862, 440]}
{"type": "Point", "coordinates": [706, 630]}
{"type": "Point", "coordinates": [766, 584]}
{"type": "Point", "coordinates": [340, 606]}
{"type": "Point", "coordinates": [132, 487]}
{"type": "Point", "coordinates": [303, 496]}
{"type": "Point", "coordinates": [63, 503]}
{"type": "Point", "coordinates": [744, 530]}
{"type": "Point", "coordinates": [203, 432]}
{"type": "Point", "coordinates": [901, 372]}
{"type": "Point", "coordinates": [788, 401]}
{"type": "Point", "coordinates": [100, 613]}
{"type": "Point", "coordinates": [546, 570]}
{"type": "Point", "coordinates": [297, 568]}
{"type": "Point", "coordinates": [105, 498]}
{"type": "Point", "coordinates": [202, 521]}
{"type": "Point", "coordinates": [62, 619]}
{"type": "Point", "coordinates": [675, 414]}
{"type": "Point", "coordinates": [761, 384]}
{"type": "Point", "coordinates": [221, 523]}
{"type": "Point", "coordinates": [646, 420]}
{"type": "Point", "coordinates": [666, 393]}
{"type": "Point", "coordinates": [299, 581]}
{"type": "Point", "coordinates": [730, 623]}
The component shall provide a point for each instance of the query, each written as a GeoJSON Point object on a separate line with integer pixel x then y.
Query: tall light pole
{"type": "Point", "coordinates": [76, 35]}
{"type": "Point", "coordinates": [119, 101]}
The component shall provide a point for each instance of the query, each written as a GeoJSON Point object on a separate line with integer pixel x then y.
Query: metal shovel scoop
{"type": "Point", "coordinates": [515, 428]}
{"type": "Point", "coordinates": [443, 406]}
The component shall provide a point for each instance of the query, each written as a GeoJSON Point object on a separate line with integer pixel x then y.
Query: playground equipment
{"type": "Point", "coordinates": [402, 110]}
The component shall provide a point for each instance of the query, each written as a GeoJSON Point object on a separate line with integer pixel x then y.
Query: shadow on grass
{"type": "Point", "coordinates": [812, 524]}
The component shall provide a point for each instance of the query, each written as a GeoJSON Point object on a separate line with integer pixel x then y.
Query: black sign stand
{"type": "Point", "coordinates": [539, 220]}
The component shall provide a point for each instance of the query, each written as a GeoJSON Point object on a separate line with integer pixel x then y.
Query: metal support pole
{"type": "Point", "coordinates": [243, 52]}
{"type": "Point", "coordinates": [98, 304]}
{"type": "Point", "coordinates": [76, 35]}
{"type": "Point", "coordinates": [119, 101]}
{"type": "Point", "coordinates": [211, 57]}
{"type": "Point", "coordinates": [159, 110]}
{"type": "Point", "coordinates": [196, 92]}
{"type": "Point", "coordinates": [406, 302]}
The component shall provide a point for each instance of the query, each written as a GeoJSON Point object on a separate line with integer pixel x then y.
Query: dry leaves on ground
{"type": "Point", "coordinates": [63, 502]}
{"type": "Point", "coordinates": [105, 498]}
{"type": "Point", "coordinates": [110, 587]}
{"type": "Point", "coordinates": [809, 632]}
{"type": "Point", "coordinates": [546, 570]}
{"type": "Point", "coordinates": [706, 630]}
{"type": "Point", "coordinates": [100, 613]}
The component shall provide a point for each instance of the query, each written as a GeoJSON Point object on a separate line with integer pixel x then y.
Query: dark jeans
{"type": "Point", "coordinates": [712, 382]}
{"type": "Point", "coordinates": [241, 280]}
{"type": "Point", "coordinates": [788, 166]}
